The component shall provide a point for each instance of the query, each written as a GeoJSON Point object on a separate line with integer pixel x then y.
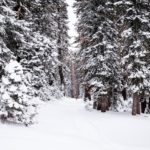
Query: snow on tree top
{"type": "Point", "coordinates": [1, 18]}
{"type": "Point", "coordinates": [126, 33]}
{"type": "Point", "coordinates": [13, 66]}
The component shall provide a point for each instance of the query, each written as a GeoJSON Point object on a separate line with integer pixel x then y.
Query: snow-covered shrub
{"type": "Point", "coordinates": [47, 93]}
{"type": "Point", "coordinates": [17, 98]}
{"type": "Point", "coordinates": [123, 105]}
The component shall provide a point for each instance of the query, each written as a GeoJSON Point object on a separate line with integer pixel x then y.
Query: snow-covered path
{"type": "Point", "coordinates": [66, 125]}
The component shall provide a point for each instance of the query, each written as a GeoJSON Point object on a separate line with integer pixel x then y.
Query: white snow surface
{"type": "Point", "coordinates": [67, 125]}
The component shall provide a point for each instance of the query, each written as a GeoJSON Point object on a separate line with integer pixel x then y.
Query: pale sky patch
{"type": "Point", "coordinates": [72, 22]}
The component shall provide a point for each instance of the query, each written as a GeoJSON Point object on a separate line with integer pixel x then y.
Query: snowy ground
{"type": "Point", "coordinates": [67, 125]}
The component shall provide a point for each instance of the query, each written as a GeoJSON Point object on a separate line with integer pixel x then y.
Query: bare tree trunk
{"type": "Point", "coordinates": [60, 56]}
{"type": "Point", "coordinates": [60, 70]}
{"type": "Point", "coordinates": [124, 93]}
{"type": "Point", "coordinates": [136, 104]}
{"type": "Point", "coordinates": [104, 103]}
{"type": "Point", "coordinates": [74, 81]}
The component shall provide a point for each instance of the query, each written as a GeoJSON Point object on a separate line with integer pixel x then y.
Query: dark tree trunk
{"type": "Point", "coordinates": [1, 72]}
{"type": "Point", "coordinates": [60, 55]}
{"type": "Point", "coordinates": [104, 103]}
{"type": "Point", "coordinates": [60, 67]}
{"type": "Point", "coordinates": [124, 93]}
{"type": "Point", "coordinates": [143, 105]}
{"type": "Point", "coordinates": [62, 82]}
{"type": "Point", "coordinates": [149, 104]}
{"type": "Point", "coordinates": [87, 94]}
{"type": "Point", "coordinates": [99, 105]}
{"type": "Point", "coordinates": [136, 104]}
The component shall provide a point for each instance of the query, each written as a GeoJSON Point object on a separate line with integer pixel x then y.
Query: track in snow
{"type": "Point", "coordinates": [67, 125]}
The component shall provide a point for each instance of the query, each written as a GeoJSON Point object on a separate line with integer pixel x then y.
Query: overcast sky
{"type": "Point", "coordinates": [72, 21]}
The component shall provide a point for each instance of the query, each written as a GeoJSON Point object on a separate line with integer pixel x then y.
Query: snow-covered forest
{"type": "Point", "coordinates": [34, 58]}
{"type": "Point", "coordinates": [75, 74]}
{"type": "Point", "coordinates": [114, 53]}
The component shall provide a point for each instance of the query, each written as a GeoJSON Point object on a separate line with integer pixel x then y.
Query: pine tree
{"type": "Point", "coordinates": [31, 38]}
{"type": "Point", "coordinates": [62, 43]}
{"type": "Point", "coordinates": [18, 100]}
{"type": "Point", "coordinates": [97, 38]}
{"type": "Point", "coordinates": [133, 24]}
{"type": "Point", "coordinates": [29, 34]}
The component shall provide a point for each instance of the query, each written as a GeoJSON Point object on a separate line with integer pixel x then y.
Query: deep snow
{"type": "Point", "coordinates": [67, 125]}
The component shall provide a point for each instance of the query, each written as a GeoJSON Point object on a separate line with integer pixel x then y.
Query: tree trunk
{"type": "Point", "coordinates": [143, 105]}
{"type": "Point", "coordinates": [74, 83]}
{"type": "Point", "coordinates": [124, 93]}
{"type": "Point", "coordinates": [60, 54]}
{"type": "Point", "coordinates": [87, 92]}
{"type": "Point", "coordinates": [136, 104]}
{"type": "Point", "coordinates": [149, 103]}
{"type": "Point", "coordinates": [60, 68]}
{"type": "Point", "coordinates": [104, 103]}
{"type": "Point", "coordinates": [98, 105]}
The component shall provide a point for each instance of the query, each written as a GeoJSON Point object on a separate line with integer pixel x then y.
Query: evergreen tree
{"type": "Point", "coordinates": [18, 102]}
{"type": "Point", "coordinates": [97, 38]}
{"type": "Point", "coordinates": [114, 48]}
{"type": "Point", "coordinates": [134, 26]}
{"type": "Point", "coordinates": [34, 33]}
{"type": "Point", "coordinates": [61, 20]}
{"type": "Point", "coordinates": [31, 32]}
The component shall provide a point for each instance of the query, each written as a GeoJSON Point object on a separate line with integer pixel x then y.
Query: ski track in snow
{"type": "Point", "coordinates": [67, 125]}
